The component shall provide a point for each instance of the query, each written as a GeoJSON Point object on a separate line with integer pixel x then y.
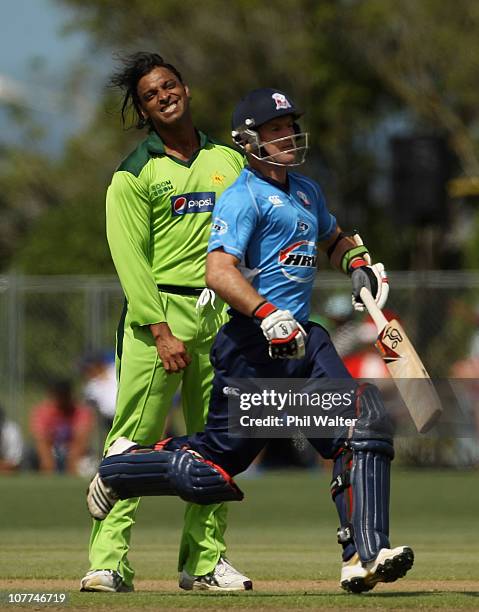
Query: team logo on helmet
{"type": "Point", "coordinates": [281, 101]}
{"type": "Point", "coordinates": [188, 203]}
{"type": "Point", "coordinates": [301, 256]}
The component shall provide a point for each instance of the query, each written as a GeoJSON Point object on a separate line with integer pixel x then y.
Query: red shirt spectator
{"type": "Point", "coordinates": [366, 364]}
{"type": "Point", "coordinates": [61, 428]}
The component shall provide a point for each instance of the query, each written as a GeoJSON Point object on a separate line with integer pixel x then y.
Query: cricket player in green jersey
{"type": "Point", "coordinates": [159, 207]}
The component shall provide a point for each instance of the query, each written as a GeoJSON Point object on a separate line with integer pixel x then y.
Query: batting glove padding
{"type": "Point", "coordinates": [374, 278]}
{"type": "Point", "coordinates": [286, 337]}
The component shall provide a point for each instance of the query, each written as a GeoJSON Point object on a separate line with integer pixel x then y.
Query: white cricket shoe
{"type": "Point", "coordinates": [101, 498]}
{"type": "Point", "coordinates": [107, 581]}
{"type": "Point", "coordinates": [388, 566]}
{"type": "Point", "coordinates": [223, 578]}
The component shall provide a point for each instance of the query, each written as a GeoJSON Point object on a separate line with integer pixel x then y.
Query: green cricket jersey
{"type": "Point", "coordinates": [158, 212]}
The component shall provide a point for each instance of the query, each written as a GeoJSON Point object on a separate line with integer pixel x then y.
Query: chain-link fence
{"type": "Point", "coordinates": [48, 324]}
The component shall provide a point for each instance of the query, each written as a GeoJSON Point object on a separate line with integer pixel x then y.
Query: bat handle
{"type": "Point", "coordinates": [375, 312]}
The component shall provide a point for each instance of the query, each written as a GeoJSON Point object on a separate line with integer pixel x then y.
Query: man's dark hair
{"type": "Point", "coordinates": [135, 67]}
{"type": "Point", "coordinates": [60, 387]}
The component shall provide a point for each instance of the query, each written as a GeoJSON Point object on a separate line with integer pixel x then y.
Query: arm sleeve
{"type": "Point", "coordinates": [236, 217]}
{"type": "Point", "coordinates": [128, 213]}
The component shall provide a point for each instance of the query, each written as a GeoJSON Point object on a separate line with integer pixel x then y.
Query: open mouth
{"type": "Point", "coordinates": [170, 108]}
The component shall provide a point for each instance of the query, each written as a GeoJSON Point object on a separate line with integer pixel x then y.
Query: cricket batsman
{"type": "Point", "coordinates": [262, 262]}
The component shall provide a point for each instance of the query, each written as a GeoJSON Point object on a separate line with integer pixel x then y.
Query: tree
{"type": "Point", "coordinates": [226, 50]}
{"type": "Point", "coordinates": [351, 65]}
{"type": "Point", "coordinates": [427, 53]}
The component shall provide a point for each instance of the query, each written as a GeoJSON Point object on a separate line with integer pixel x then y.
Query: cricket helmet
{"type": "Point", "coordinates": [258, 107]}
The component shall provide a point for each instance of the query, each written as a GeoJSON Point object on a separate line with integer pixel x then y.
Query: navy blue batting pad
{"type": "Point", "coordinates": [150, 472]}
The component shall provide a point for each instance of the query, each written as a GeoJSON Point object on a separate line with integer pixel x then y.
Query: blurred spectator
{"type": "Point", "coordinates": [11, 444]}
{"type": "Point", "coordinates": [365, 364]}
{"type": "Point", "coordinates": [61, 428]}
{"type": "Point", "coordinates": [466, 389]}
{"type": "Point", "coordinates": [364, 361]}
{"type": "Point", "coordinates": [100, 386]}
{"type": "Point", "coordinates": [342, 325]}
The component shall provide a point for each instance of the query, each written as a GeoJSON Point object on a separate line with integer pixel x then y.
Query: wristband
{"type": "Point", "coordinates": [352, 254]}
{"type": "Point", "coordinates": [357, 263]}
{"type": "Point", "coordinates": [263, 310]}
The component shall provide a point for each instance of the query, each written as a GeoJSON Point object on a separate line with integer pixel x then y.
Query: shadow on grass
{"type": "Point", "coordinates": [370, 595]}
{"type": "Point", "coordinates": [421, 593]}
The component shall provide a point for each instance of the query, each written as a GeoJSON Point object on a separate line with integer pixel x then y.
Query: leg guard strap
{"type": "Point", "coordinates": [149, 472]}
{"type": "Point", "coordinates": [342, 496]}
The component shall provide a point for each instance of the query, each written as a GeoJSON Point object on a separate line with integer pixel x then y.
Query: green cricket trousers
{"type": "Point", "coordinates": [145, 394]}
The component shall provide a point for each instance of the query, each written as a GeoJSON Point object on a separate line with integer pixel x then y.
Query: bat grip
{"type": "Point", "coordinates": [375, 312]}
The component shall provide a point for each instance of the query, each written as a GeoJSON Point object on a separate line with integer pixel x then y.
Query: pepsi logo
{"type": "Point", "coordinates": [179, 205]}
{"type": "Point", "coordinates": [196, 202]}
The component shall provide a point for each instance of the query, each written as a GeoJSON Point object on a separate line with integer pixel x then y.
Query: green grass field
{"type": "Point", "coordinates": [283, 536]}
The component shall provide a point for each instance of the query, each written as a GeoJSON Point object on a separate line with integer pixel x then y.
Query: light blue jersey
{"type": "Point", "coordinates": [274, 233]}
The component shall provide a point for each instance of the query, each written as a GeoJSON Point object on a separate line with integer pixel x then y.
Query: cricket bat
{"type": "Point", "coordinates": [406, 368]}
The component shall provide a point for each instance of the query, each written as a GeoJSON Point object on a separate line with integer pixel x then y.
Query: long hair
{"type": "Point", "coordinates": [135, 67]}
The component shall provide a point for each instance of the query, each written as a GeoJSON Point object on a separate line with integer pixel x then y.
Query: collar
{"type": "Point", "coordinates": [283, 187]}
{"type": "Point", "coordinates": [156, 145]}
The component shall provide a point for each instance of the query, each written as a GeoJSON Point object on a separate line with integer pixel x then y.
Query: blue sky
{"type": "Point", "coordinates": [31, 31]}
{"type": "Point", "coordinates": [32, 28]}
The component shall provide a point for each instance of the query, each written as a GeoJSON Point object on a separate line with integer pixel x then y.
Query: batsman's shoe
{"type": "Point", "coordinates": [389, 565]}
{"type": "Point", "coordinates": [223, 578]}
{"type": "Point", "coordinates": [353, 575]}
{"type": "Point", "coordinates": [100, 498]}
{"type": "Point", "coordinates": [107, 581]}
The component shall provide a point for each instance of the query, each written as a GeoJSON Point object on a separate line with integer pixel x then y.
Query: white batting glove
{"type": "Point", "coordinates": [374, 278]}
{"type": "Point", "coordinates": [286, 337]}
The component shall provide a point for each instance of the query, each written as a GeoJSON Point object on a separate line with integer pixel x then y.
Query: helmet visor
{"type": "Point", "coordinates": [297, 143]}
